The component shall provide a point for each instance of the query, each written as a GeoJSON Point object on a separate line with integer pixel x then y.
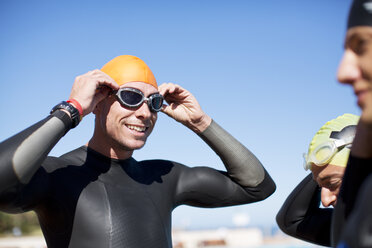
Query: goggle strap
{"type": "Point", "coordinates": [343, 142]}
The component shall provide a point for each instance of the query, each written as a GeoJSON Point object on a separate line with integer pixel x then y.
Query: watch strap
{"type": "Point", "coordinates": [64, 117]}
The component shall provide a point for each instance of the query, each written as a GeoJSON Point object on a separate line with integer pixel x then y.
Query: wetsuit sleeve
{"type": "Point", "coordinates": [22, 154]}
{"type": "Point", "coordinates": [241, 164]}
{"type": "Point", "coordinates": [356, 172]}
{"type": "Point", "coordinates": [245, 181]}
{"type": "Point", "coordinates": [301, 217]}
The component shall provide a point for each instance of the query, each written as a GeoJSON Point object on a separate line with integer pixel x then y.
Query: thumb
{"type": "Point", "coordinates": [102, 93]}
{"type": "Point", "coordinates": [166, 109]}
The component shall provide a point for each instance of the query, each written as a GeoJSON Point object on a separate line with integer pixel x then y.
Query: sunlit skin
{"type": "Point", "coordinates": [115, 124]}
{"type": "Point", "coordinates": [120, 130]}
{"type": "Point", "coordinates": [329, 178]}
{"type": "Point", "coordinates": [356, 70]}
{"type": "Point", "coordinates": [355, 67]}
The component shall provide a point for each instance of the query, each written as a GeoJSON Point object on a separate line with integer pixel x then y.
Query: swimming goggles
{"type": "Point", "coordinates": [324, 153]}
{"type": "Point", "coordinates": [133, 98]}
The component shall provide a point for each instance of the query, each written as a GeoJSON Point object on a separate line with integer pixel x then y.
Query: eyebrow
{"type": "Point", "coordinates": [355, 36]}
{"type": "Point", "coordinates": [349, 39]}
{"type": "Point", "coordinates": [334, 174]}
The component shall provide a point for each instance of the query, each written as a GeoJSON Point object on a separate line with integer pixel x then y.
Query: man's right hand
{"type": "Point", "coordinates": [91, 88]}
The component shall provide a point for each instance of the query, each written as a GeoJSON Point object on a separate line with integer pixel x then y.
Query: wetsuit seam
{"type": "Point", "coordinates": [109, 214]}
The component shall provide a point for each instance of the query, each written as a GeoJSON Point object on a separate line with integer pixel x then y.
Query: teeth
{"type": "Point", "coordinates": [136, 128]}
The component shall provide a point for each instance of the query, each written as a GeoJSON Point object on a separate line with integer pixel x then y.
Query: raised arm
{"type": "Point", "coordinates": [22, 154]}
{"type": "Point", "coordinates": [301, 217]}
{"type": "Point", "coordinates": [241, 164]}
{"type": "Point", "coordinates": [243, 168]}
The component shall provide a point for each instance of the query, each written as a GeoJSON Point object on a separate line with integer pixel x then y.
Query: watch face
{"type": "Point", "coordinates": [74, 113]}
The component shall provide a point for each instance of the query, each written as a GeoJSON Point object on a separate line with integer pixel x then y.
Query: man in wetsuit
{"type": "Point", "coordinates": [352, 222]}
{"type": "Point", "coordinates": [301, 215]}
{"type": "Point", "coordinates": [98, 195]}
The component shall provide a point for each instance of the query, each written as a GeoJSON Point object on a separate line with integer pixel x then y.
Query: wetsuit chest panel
{"type": "Point", "coordinates": [108, 203]}
{"type": "Point", "coordinates": [126, 214]}
{"type": "Point", "coordinates": [137, 222]}
{"type": "Point", "coordinates": [92, 223]}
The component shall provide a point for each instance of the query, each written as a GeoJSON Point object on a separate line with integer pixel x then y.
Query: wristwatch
{"type": "Point", "coordinates": [74, 112]}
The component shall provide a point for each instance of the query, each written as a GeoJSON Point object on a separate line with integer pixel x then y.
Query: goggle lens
{"type": "Point", "coordinates": [323, 154]}
{"type": "Point", "coordinates": [157, 102]}
{"type": "Point", "coordinates": [131, 98]}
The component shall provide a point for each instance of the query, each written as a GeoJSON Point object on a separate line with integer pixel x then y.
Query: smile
{"type": "Point", "coordinates": [136, 128]}
{"type": "Point", "coordinates": [361, 95]}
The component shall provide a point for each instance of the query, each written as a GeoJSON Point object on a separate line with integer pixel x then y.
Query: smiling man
{"type": "Point", "coordinates": [98, 195]}
{"type": "Point", "coordinates": [352, 216]}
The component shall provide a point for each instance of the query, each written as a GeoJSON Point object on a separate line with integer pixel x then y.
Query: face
{"type": "Point", "coordinates": [126, 128]}
{"type": "Point", "coordinates": [329, 178]}
{"type": "Point", "coordinates": [356, 65]}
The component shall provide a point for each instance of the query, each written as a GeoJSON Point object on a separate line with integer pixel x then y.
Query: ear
{"type": "Point", "coordinates": [99, 106]}
{"type": "Point", "coordinates": [103, 105]}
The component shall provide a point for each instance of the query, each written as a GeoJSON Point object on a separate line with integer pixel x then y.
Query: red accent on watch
{"type": "Point", "coordinates": [77, 105]}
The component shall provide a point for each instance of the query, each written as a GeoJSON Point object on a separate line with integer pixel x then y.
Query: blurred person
{"type": "Point", "coordinates": [301, 215]}
{"type": "Point", "coordinates": [98, 195]}
{"type": "Point", "coordinates": [352, 216]}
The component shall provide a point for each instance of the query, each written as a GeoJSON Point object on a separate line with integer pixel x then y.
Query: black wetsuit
{"type": "Point", "coordinates": [352, 219]}
{"type": "Point", "coordinates": [301, 216]}
{"type": "Point", "coordinates": [84, 199]}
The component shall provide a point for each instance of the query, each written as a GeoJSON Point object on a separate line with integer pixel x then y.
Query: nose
{"type": "Point", "coordinates": [348, 70]}
{"type": "Point", "coordinates": [328, 197]}
{"type": "Point", "coordinates": [143, 111]}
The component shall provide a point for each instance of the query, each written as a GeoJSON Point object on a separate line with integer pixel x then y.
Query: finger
{"type": "Point", "coordinates": [162, 89]}
{"type": "Point", "coordinates": [165, 88]}
{"type": "Point", "coordinates": [106, 80]}
{"type": "Point", "coordinates": [172, 98]}
{"type": "Point", "coordinates": [166, 109]}
{"type": "Point", "coordinates": [171, 88]}
{"type": "Point", "coordinates": [98, 78]}
{"type": "Point", "coordinates": [104, 91]}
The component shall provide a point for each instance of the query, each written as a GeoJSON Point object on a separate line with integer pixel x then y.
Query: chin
{"type": "Point", "coordinates": [138, 147]}
{"type": "Point", "coordinates": [135, 145]}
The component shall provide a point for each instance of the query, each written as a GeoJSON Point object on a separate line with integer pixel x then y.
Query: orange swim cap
{"type": "Point", "coordinates": [127, 68]}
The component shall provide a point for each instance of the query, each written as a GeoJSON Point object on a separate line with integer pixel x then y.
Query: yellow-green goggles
{"type": "Point", "coordinates": [324, 153]}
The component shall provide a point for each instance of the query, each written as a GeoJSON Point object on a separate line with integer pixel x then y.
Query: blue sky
{"type": "Point", "coordinates": [264, 70]}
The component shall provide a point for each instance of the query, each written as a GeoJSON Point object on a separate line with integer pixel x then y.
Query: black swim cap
{"type": "Point", "coordinates": [360, 14]}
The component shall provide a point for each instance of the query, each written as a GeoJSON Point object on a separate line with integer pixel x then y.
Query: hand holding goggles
{"type": "Point", "coordinates": [133, 98]}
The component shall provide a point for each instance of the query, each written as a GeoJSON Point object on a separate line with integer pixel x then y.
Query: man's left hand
{"type": "Point", "coordinates": [183, 107]}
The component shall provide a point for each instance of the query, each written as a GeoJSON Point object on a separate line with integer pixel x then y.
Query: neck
{"type": "Point", "coordinates": [108, 150]}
